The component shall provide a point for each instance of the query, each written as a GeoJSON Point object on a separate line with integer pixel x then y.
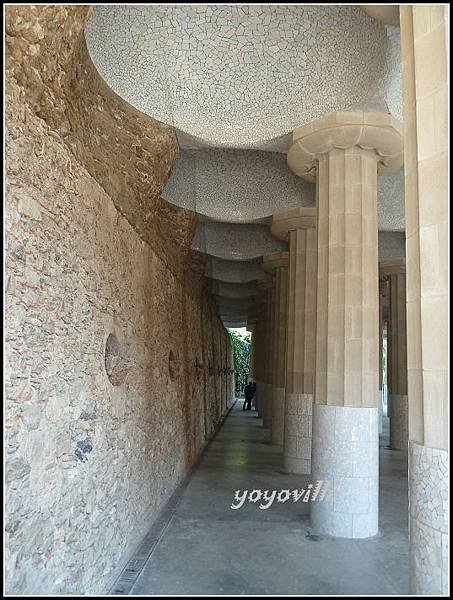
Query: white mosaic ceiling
{"type": "Point", "coordinates": [241, 75]}
{"type": "Point", "coordinates": [234, 271]}
{"type": "Point", "coordinates": [233, 290]}
{"type": "Point", "coordinates": [391, 214]}
{"type": "Point", "coordinates": [236, 185]}
{"type": "Point", "coordinates": [232, 241]}
{"type": "Point", "coordinates": [241, 186]}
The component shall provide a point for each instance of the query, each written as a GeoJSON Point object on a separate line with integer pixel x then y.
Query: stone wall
{"type": "Point", "coordinates": [89, 463]}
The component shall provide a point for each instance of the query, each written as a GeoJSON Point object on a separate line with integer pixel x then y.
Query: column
{"type": "Point", "coordinates": [260, 337]}
{"type": "Point", "coordinates": [265, 350]}
{"type": "Point", "coordinates": [277, 264]}
{"type": "Point", "coordinates": [251, 328]}
{"type": "Point", "coordinates": [395, 273]}
{"type": "Point", "coordinates": [346, 150]}
{"type": "Point", "coordinates": [382, 285]}
{"type": "Point", "coordinates": [424, 54]}
{"type": "Point", "coordinates": [269, 350]}
{"type": "Point", "coordinates": [299, 228]}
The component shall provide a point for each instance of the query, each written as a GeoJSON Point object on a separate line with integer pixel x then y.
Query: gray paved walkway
{"type": "Point", "coordinates": [210, 549]}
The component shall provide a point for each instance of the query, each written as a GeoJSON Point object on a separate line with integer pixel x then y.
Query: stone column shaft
{"type": "Point", "coordinates": [424, 57]}
{"type": "Point", "coordinates": [382, 286]}
{"type": "Point", "coordinates": [397, 360]}
{"type": "Point", "coordinates": [264, 348]}
{"type": "Point", "coordinates": [259, 355]}
{"type": "Point", "coordinates": [346, 419]}
{"type": "Point", "coordinates": [346, 149]}
{"type": "Point", "coordinates": [298, 226]}
{"type": "Point", "coordinates": [278, 393]}
{"type": "Point", "coordinates": [251, 328]}
{"type": "Point", "coordinates": [347, 362]}
{"type": "Point", "coordinates": [277, 263]}
{"type": "Point", "coordinates": [300, 350]}
{"type": "Point", "coordinates": [269, 350]}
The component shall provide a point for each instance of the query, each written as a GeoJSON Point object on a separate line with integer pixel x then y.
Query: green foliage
{"type": "Point", "coordinates": [241, 354]}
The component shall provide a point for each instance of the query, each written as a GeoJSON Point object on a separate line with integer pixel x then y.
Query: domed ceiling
{"type": "Point", "coordinates": [234, 81]}
{"type": "Point", "coordinates": [239, 75]}
{"type": "Point", "coordinates": [236, 185]}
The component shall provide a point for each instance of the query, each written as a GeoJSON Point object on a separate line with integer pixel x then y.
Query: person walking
{"type": "Point", "coordinates": [249, 392]}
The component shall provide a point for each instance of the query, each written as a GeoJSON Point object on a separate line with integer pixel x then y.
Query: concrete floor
{"type": "Point", "coordinates": [208, 548]}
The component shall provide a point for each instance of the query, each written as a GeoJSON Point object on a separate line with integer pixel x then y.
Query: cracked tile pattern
{"type": "Point", "coordinates": [242, 74]}
{"type": "Point", "coordinates": [234, 272]}
{"type": "Point", "coordinates": [297, 433]}
{"type": "Point", "coordinates": [235, 241]}
{"type": "Point", "coordinates": [236, 185]}
{"type": "Point", "coordinates": [391, 212]}
{"type": "Point", "coordinates": [346, 453]}
{"type": "Point", "coordinates": [428, 519]}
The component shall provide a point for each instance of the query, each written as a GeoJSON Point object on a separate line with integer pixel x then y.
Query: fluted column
{"type": "Point", "coordinates": [298, 226]}
{"type": "Point", "coordinates": [278, 264]}
{"type": "Point", "coordinates": [424, 57]}
{"type": "Point", "coordinates": [382, 295]}
{"type": "Point", "coordinates": [266, 288]}
{"type": "Point", "coordinates": [346, 150]}
{"type": "Point", "coordinates": [397, 353]}
{"type": "Point", "coordinates": [267, 416]}
{"type": "Point", "coordinates": [251, 328]}
{"type": "Point", "coordinates": [260, 338]}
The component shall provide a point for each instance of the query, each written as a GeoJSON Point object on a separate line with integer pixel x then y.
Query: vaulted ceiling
{"type": "Point", "coordinates": [234, 81]}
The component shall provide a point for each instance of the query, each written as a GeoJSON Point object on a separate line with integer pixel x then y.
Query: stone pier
{"type": "Point", "coordinates": [298, 226]}
{"type": "Point", "coordinates": [345, 151]}
{"type": "Point", "coordinates": [277, 264]}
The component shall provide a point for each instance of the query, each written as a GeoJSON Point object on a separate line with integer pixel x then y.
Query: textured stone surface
{"type": "Point", "coordinates": [89, 463]}
{"type": "Point", "coordinates": [346, 453]}
{"type": "Point", "coordinates": [129, 154]}
{"type": "Point", "coordinates": [428, 519]}
{"type": "Point", "coordinates": [237, 75]}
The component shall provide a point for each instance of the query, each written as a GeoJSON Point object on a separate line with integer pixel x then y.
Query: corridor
{"type": "Point", "coordinates": [208, 548]}
{"type": "Point", "coordinates": [210, 201]}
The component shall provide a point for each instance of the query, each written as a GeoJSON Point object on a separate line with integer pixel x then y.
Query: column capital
{"type": "Point", "coordinates": [274, 261]}
{"type": "Point", "coordinates": [303, 217]}
{"type": "Point", "coordinates": [392, 266]}
{"type": "Point", "coordinates": [343, 130]}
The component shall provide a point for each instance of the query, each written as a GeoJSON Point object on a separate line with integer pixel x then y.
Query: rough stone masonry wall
{"type": "Point", "coordinates": [88, 463]}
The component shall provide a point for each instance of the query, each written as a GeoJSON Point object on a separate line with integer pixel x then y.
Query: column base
{"type": "Point", "coordinates": [278, 415]}
{"type": "Point", "coordinates": [346, 454]}
{"type": "Point", "coordinates": [267, 412]}
{"type": "Point", "coordinates": [297, 433]}
{"type": "Point", "coordinates": [428, 520]}
{"type": "Point", "coordinates": [399, 422]}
